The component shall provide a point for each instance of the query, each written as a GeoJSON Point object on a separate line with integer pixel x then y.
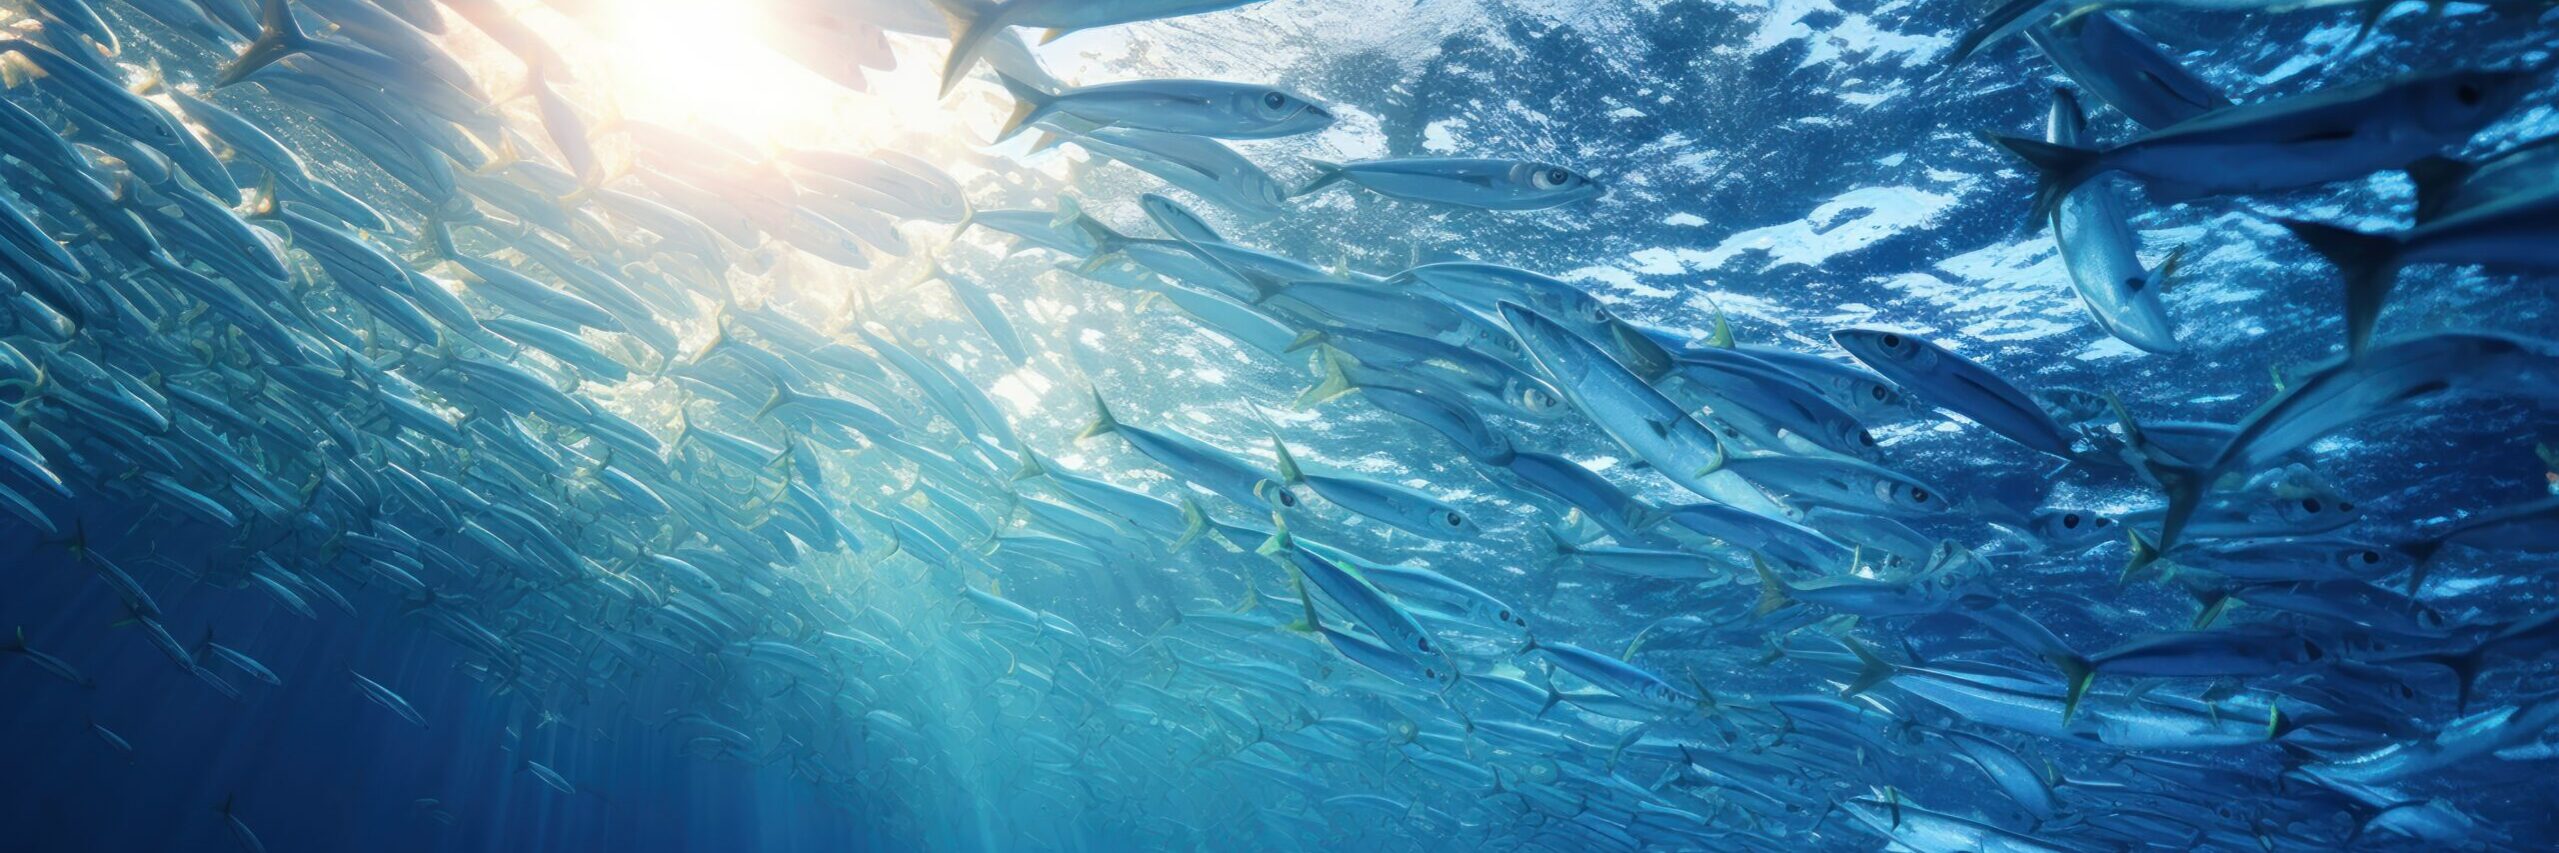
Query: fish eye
{"type": "Point", "coordinates": [2312, 651]}
{"type": "Point", "coordinates": [2070, 521]}
{"type": "Point", "coordinates": [1918, 495]}
{"type": "Point", "coordinates": [2311, 505]}
{"type": "Point", "coordinates": [2370, 557]}
{"type": "Point", "coordinates": [1865, 438]}
{"type": "Point", "coordinates": [1892, 341]}
{"type": "Point", "coordinates": [1551, 179]}
{"type": "Point", "coordinates": [1876, 392]}
{"type": "Point", "coordinates": [1275, 100]}
{"type": "Point", "coordinates": [1455, 520]}
{"type": "Point", "coordinates": [1506, 616]}
{"type": "Point", "coordinates": [1423, 643]}
{"type": "Point", "coordinates": [2468, 93]}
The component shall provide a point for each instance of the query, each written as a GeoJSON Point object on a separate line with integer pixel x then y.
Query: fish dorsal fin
{"type": "Point", "coordinates": [1312, 622]}
{"type": "Point", "coordinates": [1290, 474]}
{"type": "Point", "coordinates": [1720, 334]}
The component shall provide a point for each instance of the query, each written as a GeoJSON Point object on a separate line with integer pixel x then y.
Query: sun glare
{"type": "Point", "coordinates": [683, 62]}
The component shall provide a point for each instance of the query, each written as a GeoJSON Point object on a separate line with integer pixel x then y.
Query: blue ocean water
{"type": "Point", "coordinates": [672, 425]}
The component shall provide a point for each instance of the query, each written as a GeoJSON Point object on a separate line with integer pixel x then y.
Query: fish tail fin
{"type": "Point", "coordinates": [2164, 276]}
{"type": "Point", "coordinates": [279, 36]}
{"type": "Point", "coordinates": [1721, 336]}
{"type": "Point", "coordinates": [2369, 264]}
{"type": "Point", "coordinates": [1068, 210]}
{"type": "Point", "coordinates": [1305, 339]}
{"type": "Point", "coordinates": [2368, 18]}
{"type": "Point", "coordinates": [1773, 590]}
{"type": "Point", "coordinates": [2008, 19]}
{"type": "Point", "coordinates": [1194, 523]}
{"type": "Point", "coordinates": [2212, 605]}
{"type": "Point", "coordinates": [1310, 623]}
{"type": "Point", "coordinates": [1102, 421]}
{"type": "Point", "coordinates": [972, 23]}
{"type": "Point", "coordinates": [1280, 541]}
{"type": "Point", "coordinates": [1106, 241]}
{"type": "Point", "coordinates": [1031, 467]}
{"type": "Point", "coordinates": [2145, 554]}
{"type": "Point", "coordinates": [2182, 482]}
{"type": "Point", "coordinates": [2077, 675]}
{"type": "Point", "coordinates": [2437, 178]}
{"type": "Point", "coordinates": [1337, 378]}
{"type": "Point", "coordinates": [2061, 168]}
{"type": "Point", "coordinates": [1290, 474]}
{"type": "Point", "coordinates": [1871, 670]}
{"type": "Point", "coordinates": [1029, 104]}
{"type": "Point", "coordinates": [2465, 673]}
{"type": "Point", "coordinates": [1563, 548]}
{"type": "Point", "coordinates": [1327, 173]}
{"type": "Point", "coordinates": [2421, 559]}
{"type": "Point", "coordinates": [782, 396]}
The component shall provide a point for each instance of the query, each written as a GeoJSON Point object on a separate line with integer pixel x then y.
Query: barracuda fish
{"type": "Point", "coordinates": [980, 305]}
{"type": "Point", "coordinates": [1198, 107]}
{"type": "Point", "coordinates": [384, 697]}
{"type": "Point", "coordinates": [58, 667]}
{"type": "Point", "coordinates": [240, 833]}
{"type": "Point", "coordinates": [1400, 507]}
{"type": "Point", "coordinates": [2099, 248]}
{"type": "Point", "coordinates": [2509, 231]}
{"type": "Point", "coordinates": [1200, 166]}
{"type": "Point", "coordinates": [973, 22]}
{"type": "Point", "coordinates": [2524, 527]}
{"type": "Point", "coordinates": [1959, 385]}
{"type": "Point", "coordinates": [1371, 607]}
{"type": "Point", "coordinates": [106, 102]}
{"type": "Point", "coordinates": [2334, 134]}
{"type": "Point", "coordinates": [1481, 183]}
{"type": "Point", "coordinates": [2126, 70]}
{"type": "Point", "coordinates": [2393, 376]}
{"type": "Point", "coordinates": [1621, 679]}
{"type": "Point", "coordinates": [1652, 428]}
{"type": "Point", "coordinates": [1196, 461]}
{"type": "Point", "coordinates": [1932, 590]}
{"type": "Point", "coordinates": [2446, 185]}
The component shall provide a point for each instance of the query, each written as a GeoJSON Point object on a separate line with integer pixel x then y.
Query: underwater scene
{"type": "Point", "coordinates": [1209, 425]}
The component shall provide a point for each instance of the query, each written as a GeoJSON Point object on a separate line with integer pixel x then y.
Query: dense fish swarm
{"type": "Point", "coordinates": [1426, 500]}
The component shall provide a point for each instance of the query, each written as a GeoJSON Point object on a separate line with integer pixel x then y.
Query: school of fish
{"type": "Point", "coordinates": [778, 448]}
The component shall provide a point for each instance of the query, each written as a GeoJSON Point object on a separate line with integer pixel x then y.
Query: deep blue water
{"type": "Point", "coordinates": [848, 669]}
